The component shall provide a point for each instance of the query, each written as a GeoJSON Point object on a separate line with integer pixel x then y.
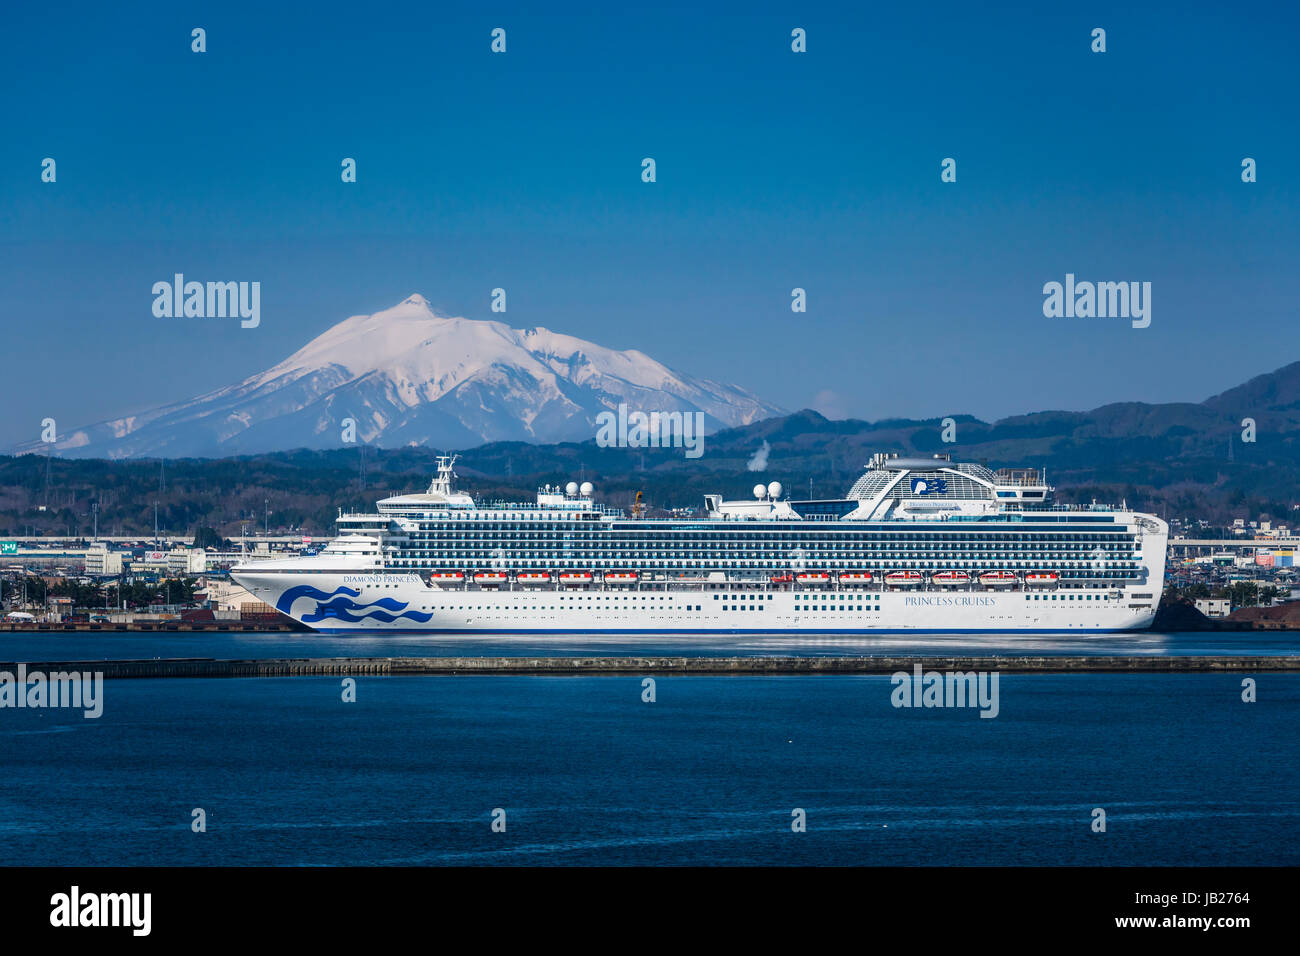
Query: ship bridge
{"type": "Point", "coordinates": [440, 495]}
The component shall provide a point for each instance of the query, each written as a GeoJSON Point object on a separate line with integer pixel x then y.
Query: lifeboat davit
{"type": "Point", "coordinates": [491, 579]}
{"type": "Point", "coordinates": [533, 577]}
{"type": "Point", "coordinates": [950, 579]}
{"type": "Point", "coordinates": [998, 579]}
{"type": "Point", "coordinates": [621, 577]}
{"type": "Point", "coordinates": [1041, 579]}
{"type": "Point", "coordinates": [575, 579]}
{"type": "Point", "coordinates": [903, 579]}
{"type": "Point", "coordinates": [856, 577]}
{"type": "Point", "coordinates": [813, 578]}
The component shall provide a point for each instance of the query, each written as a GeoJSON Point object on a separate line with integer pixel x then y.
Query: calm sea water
{"type": "Point", "coordinates": [16, 646]}
{"type": "Point", "coordinates": [707, 774]}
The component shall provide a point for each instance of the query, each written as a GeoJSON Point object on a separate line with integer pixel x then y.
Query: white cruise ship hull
{"type": "Point", "coordinates": [388, 602]}
{"type": "Point", "coordinates": [917, 546]}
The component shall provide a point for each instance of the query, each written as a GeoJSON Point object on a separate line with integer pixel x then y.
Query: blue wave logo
{"type": "Point", "coordinates": [337, 605]}
{"type": "Point", "coordinates": [929, 486]}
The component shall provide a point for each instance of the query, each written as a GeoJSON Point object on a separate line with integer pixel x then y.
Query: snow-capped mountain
{"type": "Point", "coordinates": [407, 376]}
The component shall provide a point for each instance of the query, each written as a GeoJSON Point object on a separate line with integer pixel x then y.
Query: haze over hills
{"type": "Point", "coordinates": [1175, 459]}
{"type": "Point", "coordinates": [1188, 452]}
{"type": "Point", "coordinates": [407, 376]}
{"type": "Point", "coordinates": [410, 378]}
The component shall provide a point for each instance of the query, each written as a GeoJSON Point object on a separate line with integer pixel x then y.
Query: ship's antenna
{"type": "Point", "coordinates": [442, 483]}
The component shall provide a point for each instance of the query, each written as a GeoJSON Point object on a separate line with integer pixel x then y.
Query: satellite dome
{"type": "Point", "coordinates": [571, 489]}
{"type": "Point", "coordinates": [760, 491]}
{"type": "Point", "coordinates": [586, 489]}
{"type": "Point", "coordinates": [774, 489]}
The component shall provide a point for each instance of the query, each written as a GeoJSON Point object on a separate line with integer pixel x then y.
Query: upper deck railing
{"type": "Point", "coordinates": [482, 507]}
{"type": "Point", "coordinates": [1019, 477]}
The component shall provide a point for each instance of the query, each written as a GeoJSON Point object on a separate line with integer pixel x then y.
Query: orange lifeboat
{"type": "Point", "coordinates": [621, 577]}
{"type": "Point", "coordinates": [856, 577]}
{"type": "Point", "coordinates": [533, 577]}
{"type": "Point", "coordinates": [903, 579]}
{"type": "Point", "coordinates": [575, 579]}
{"type": "Point", "coordinates": [813, 578]}
{"type": "Point", "coordinates": [1041, 579]}
{"type": "Point", "coordinates": [998, 579]}
{"type": "Point", "coordinates": [950, 579]}
{"type": "Point", "coordinates": [446, 577]}
{"type": "Point", "coordinates": [491, 579]}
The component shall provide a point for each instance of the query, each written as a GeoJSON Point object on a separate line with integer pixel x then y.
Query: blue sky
{"type": "Point", "coordinates": [775, 170]}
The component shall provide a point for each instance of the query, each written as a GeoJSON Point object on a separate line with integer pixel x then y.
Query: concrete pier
{"type": "Point", "coordinates": [658, 666]}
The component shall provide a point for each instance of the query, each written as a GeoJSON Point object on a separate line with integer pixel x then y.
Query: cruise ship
{"type": "Point", "coordinates": [917, 545]}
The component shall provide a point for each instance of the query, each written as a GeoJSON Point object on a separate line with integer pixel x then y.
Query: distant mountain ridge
{"type": "Point", "coordinates": [1174, 459]}
{"type": "Point", "coordinates": [1193, 453]}
{"type": "Point", "coordinates": [414, 396]}
{"type": "Point", "coordinates": [407, 376]}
